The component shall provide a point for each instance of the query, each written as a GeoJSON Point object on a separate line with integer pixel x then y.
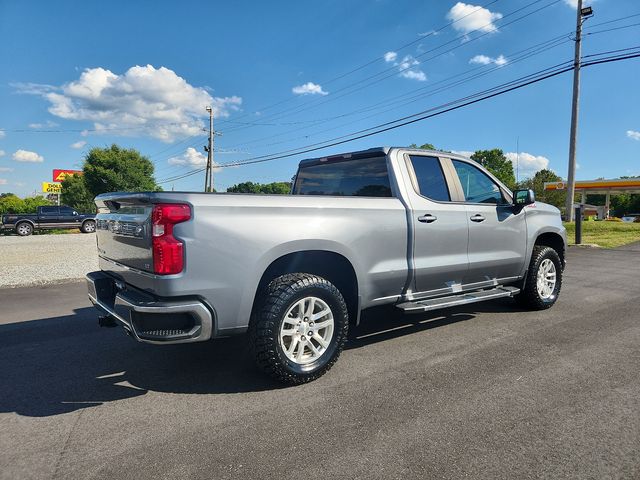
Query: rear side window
{"type": "Point", "coordinates": [362, 177]}
{"type": "Point", "coordinates": [431, 182]}
{"type": "Point", "coordinates": [476, 185]}
{"type": "Point", "coordinates": [49, 210]}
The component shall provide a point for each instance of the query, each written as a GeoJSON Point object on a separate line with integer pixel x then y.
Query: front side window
{"type": "Point", "coordinates": [362, 177]}
{"type": "Point", "coordinates": [476, 185]}
{"type": "Point", "coordinates": [66, 211]}
{"type": "Point", "coordinates": [430, 178]}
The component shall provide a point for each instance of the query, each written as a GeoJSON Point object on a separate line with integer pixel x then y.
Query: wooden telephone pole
{"type": "Point", "coordinates": [208, 174]}
{"type": "Point", "coordinates": [581, 15]}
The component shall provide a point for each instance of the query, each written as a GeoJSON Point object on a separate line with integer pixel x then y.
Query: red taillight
{"type": "Point", "coordinates": [168, 252]}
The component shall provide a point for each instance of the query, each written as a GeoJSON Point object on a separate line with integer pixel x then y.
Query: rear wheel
{"type": "Point", "coordinates": [24, 229]}
{"type": "Point", "coordinates": [88, 227]}
{"type": "Point", "coordinates": [544, 279]}
{"type": "Point", "coordinates": [298, 328]}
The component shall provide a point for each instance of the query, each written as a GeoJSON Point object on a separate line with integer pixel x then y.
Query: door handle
{"type": "Point", "coordinates": [428, 218]}
{"type": "Point", "coordinates": [477, 218]}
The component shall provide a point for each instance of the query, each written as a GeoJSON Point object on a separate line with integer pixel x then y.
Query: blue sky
{"type": "Point", "coordinates": [282, 75]}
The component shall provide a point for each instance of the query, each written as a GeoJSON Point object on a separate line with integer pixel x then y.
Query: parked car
{"type": "Point", "coordinates": [631, 218]}
{"type": "Point", "coordinates": [48, 217]}
{"type": "Point", "coordinates": [418, 229]}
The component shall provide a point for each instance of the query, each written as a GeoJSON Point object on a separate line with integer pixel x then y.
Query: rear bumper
{"type": "Point", "coordinates": [147, 318]}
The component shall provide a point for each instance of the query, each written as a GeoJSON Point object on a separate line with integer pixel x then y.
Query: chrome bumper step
{"type": "Point", "coordinates": [419, 306]}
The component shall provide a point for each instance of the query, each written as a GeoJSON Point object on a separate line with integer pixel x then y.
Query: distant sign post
{"type": "Point", "coordinates": [59, 175]}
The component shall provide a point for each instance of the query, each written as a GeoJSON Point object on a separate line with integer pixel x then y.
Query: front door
{"type": "Point", "coordinates": [69, 217]}
{"type": "Point", "coordinates": [440, 230]}
{"type": "Point", "coordinates": [497, 232]}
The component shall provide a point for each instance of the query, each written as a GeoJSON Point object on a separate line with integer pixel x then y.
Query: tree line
{"type": "Point", "coordinates": [115, 169]}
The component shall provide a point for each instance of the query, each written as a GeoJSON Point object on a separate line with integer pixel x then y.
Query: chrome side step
{"type": "Point", "coordinates": [419, 306]}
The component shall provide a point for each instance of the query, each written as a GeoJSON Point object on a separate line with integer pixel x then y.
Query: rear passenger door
{"type": "Point", "coordinates": [440, 228]}
{"type": "Point", "coordinates": [49, 217]}
{"type": "Point", "coordinates": [497, 232]}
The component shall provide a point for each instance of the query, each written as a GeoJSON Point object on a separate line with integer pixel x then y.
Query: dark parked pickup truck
{"type": "Point", "coordinates": [48, 218]}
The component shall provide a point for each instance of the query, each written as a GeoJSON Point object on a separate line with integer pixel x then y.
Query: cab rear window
{"type": "Point", "coordinates": [362, 177]}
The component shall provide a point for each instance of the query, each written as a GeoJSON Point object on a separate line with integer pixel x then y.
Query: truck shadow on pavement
{"type": "Point", "coordinates": [62, 364]}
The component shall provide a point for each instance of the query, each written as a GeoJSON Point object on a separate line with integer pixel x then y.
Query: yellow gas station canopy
{"type": "Point", "coordinates": [614, 187]}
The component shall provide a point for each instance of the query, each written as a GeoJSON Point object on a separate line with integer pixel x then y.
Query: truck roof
{"type": "Point", "coordinates": [375, 151]}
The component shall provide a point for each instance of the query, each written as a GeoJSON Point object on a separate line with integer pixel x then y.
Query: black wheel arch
{"type": "Point", "coordinates": [555, 241]}
{"type": "Point", "coordinates": [329, 265]}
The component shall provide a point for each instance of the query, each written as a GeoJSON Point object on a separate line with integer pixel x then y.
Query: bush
{"type": "Point", "coordinates": [11, 203]}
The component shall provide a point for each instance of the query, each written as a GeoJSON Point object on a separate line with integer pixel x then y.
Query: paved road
{"type": "Point", "coordinates": [480, 392]}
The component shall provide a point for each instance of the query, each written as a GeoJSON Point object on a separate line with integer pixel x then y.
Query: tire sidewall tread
{"type": "Point", "coordinates": [264, 327]}
{"type": "Point", "coordinates": [529, 296]}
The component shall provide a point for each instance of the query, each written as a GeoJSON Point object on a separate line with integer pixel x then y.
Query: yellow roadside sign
{"type": "Point", "coordinates": [51, 187]}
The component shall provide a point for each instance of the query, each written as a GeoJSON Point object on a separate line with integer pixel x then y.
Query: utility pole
{"type": "Point", "coordinates": [208, 174]}
{"type": "Point", "coordinates": [581, 15]}
{"type": "Point", "coordinates": [517, 159]}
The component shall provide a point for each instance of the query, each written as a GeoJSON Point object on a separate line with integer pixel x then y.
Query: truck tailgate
{"type": "Point", "coordinates": [123, 227]}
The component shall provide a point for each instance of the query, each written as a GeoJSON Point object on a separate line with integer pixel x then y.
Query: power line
{"type": "Point", "coordinates": [420, 116]}
{"type": "Point", "coordinates": [519, 56]}
{"type": "Point", "coordinates": [377, 59]}
{"type": "Point", "coordinates": [395, 71]}
{"type": "Point", "coordinates": [412, 95]}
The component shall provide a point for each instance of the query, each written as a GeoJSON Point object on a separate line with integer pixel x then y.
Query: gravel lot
{"type": "Point", "coordinates": [43, 259]}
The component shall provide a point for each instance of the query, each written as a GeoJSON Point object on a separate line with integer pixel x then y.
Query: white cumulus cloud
{"type": "Point", "coordinates": [79, 144]}
{"type": "Point", "coordinates": [574, 3]}
{"type": "Point", "coordinates": [27, 156]}
{"type": "Point", "coordinates": [6, 169]}
{"type": "Point", "coordinates": [469, 17]}
{"type": "Point", "coordinates": [2, 134]}
{"type": "Point", "coordinates": [407, 66]}
{"type": "Point", "coordinates": [2, 153]}
{"type": "Point", "coordinates": [464, 153]}
{"type": "Point", "coordinates": [390, 56]}
{"type": "Point", "coordinates": [500, 60]}
{"type": "Point", "coordinates": [309, 88]}
{"type": "Point", "coordinates": [632, 134]}
{"type": "Point", "coordinates": [144, 100]}
{"type": "Point", "coordinates": [47, 124]}
{"type": "Point", "coordinates": [3, 181]}
{"type": "Point", "coordinates": [527, 163]}
{"type": "Point", "coordinates": [192, 158]}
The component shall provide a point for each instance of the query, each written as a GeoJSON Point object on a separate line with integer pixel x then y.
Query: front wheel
{"type": "Point", "coordinates": [298, 328]}
{"type": "Point", "coordinates": [544, 279]}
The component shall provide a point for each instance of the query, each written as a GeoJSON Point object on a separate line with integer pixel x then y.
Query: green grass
{"type": "Point", "coordinates": [605, 234]}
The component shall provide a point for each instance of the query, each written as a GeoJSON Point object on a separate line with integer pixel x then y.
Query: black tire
{"type": "Point", "coordinates": [89, 226]}
{"type": "Point", "coordinates": [24, 229]}
{"type": "Point", "coordinates": [530, 297]}
{"type": "Point", "coordinates": [269, 314]}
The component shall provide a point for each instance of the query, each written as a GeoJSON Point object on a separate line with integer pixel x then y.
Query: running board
{"type": "Point", "coordinates": [454, 300]}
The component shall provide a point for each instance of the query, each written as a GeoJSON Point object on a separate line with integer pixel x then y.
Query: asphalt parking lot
{"type": "Point", "coordinates": [486, 391]}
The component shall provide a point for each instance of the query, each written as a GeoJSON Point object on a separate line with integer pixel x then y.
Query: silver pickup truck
{"type": "Point", "coordinates": [419, 229]}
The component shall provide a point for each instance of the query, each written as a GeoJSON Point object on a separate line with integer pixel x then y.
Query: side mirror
{"type": "Point", "coordinates": [523, 197]}
{"type": "Point", "coordinates": [75, 213]}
